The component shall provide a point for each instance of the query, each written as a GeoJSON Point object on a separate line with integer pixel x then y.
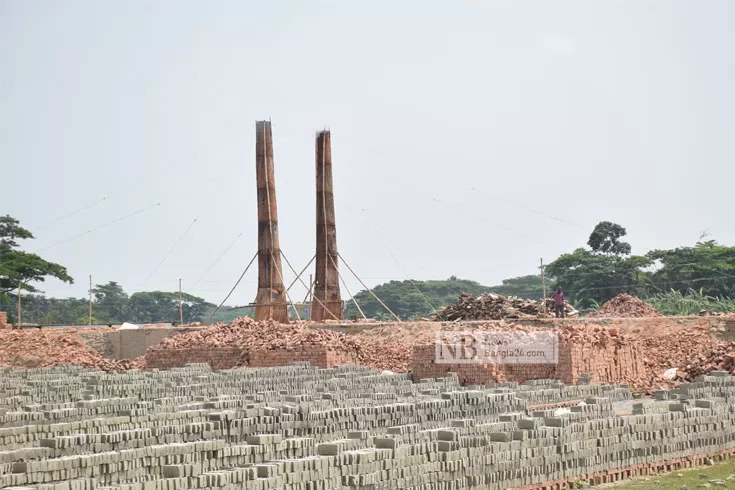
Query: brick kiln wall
{"type": "Point", "coordinates": [229, 357]}
{"type": "Point", "coordinates": [606, 363]}
{"type": "Point", "coordinates": [219, 358]}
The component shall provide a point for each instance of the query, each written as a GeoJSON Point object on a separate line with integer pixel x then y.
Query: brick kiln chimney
{"type": "Point", "coordinates": [271, 299]}
{"type": "Point", "coordinates": [326, 287]}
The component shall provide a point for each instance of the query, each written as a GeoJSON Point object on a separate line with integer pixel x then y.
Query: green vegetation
{"type": "Point", "coordinates": [690, 303]}
{"type": "Point", "coordinates": [413, 299]}
{"type": "Point", "coordinates": [688, 478]}
{"type": "Point", "coordinates": [22, 268]}
{"type": "Point", "coordinates": [681, 281]}
{"type": "Point", "coordinates": [707, 266]}
{"type": "Point", "coordinates": [111, 303]}
{"type": "Point", "coordinates": [527, 287]}
{"type": "Point", "coordinates": [592, 276]}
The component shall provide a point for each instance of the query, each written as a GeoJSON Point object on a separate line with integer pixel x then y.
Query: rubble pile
{"type": "Point", "coordinates": [30, 348]}
{"type": "Point", "coordinates": [250, 335]}
{"type": "Point", "coordinates": [493, 306]}
{"type": "Point", "coordinates": [625, 306]}
{"type": "Point", "coordinates": [720, 358]}
{"type": "Point", "coordinates": [246, 332]}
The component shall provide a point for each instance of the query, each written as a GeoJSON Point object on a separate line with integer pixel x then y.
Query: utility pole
{"type": "Point", "coordinates": [181, 310]}
{"type": "Point", "coordinates": [90, 300]}
{"type": "Point", "coordinates": [18, 325]}
{"type": "Point", "coordinates": [543, 283]}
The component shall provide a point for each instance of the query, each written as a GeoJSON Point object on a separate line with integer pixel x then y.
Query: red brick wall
{"type": "Point", "coordinates": [220, 358]}
{"type": "Point", "coordinates": [606, 363]}
{"type": "Point", "coordinates": [229, 357]}
{"type": "Point", "coordinates": [609, 363]}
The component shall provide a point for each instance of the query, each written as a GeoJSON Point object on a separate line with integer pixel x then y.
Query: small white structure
{"type": "Point", "coordinates": [670, 374]}
{"type": "Point", "coordinates": [128, 326]}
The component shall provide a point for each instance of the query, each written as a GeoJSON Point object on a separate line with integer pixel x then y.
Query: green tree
{"type": "Point", "coordinates": [528, 287]}
{"type": "Point", "coordinates": [707, 266]}
{"type": "Point", "coordinates": [111, 299]}
{"type": "Point", "coordinates": [56, 311]}
{"type": "Point", "coordinates": [21, 267]}
{"type": "Point", "coordinates": [411, 299]}
{"type": "Point", "coordinates": [160, 306]}
{"type": "Point", "coordinates": [605, 238]}
{"type": "Point", "coordinates": [591, 277]}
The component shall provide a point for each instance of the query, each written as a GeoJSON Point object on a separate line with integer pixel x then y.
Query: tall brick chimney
{"type": "Point", "coordinates": [270, 302]}
{"type": "Point", "coordinates": [326, 287]}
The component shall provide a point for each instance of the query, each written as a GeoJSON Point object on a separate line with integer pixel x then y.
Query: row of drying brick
{"type": "Point", "coordinates": [312, 412]}
{"type": "Point", "coordinates": [533, 451]}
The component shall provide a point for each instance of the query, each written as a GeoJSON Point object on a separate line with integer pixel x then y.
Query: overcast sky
{"type": "Point", "coordinates": [469, 138]}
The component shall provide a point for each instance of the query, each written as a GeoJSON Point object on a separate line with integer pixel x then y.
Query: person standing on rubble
{"type": "Point", "coordinates": [558, 303]}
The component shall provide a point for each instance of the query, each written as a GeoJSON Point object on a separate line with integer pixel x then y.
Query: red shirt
{"type": "Point", "coordinates": [558, 297]}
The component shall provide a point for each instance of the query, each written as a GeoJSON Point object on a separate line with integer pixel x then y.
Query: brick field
{"type": "Point", "coordinates": [348, 427]}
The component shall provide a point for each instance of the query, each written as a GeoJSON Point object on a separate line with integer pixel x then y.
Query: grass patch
{"type": "Point", "coordinates": [690, 478]}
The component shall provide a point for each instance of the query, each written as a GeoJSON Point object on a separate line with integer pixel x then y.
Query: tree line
{"type": "Point", "coordinates": [683, 280]}
{"type": "Point", "coordinates": [677, 281]}
{"type": "Point", "coordinates": [110, 304]}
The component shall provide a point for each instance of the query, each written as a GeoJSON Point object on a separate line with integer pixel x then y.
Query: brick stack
{"type": "Point", "coordinates": [606, 362]}
{"type": "Point", "coordinates": [4, 325]}
{"type": "Point", "coordinates": [219, 358]}
{"type": "Point", "coordinates": [230, 357]}
{"type": "Point", "coordinates": [299, 427]}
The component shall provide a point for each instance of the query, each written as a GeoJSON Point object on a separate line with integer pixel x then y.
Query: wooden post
{"type": "Point", "coordinates": [270, 302]}
{"type": "Point", "coordinates": [90, 300]}
{"type": "Point", "coordinates": [18, 323]}
{"type": "Point", "coordinates": [543, 284]}
{"type": "Point", "coordinates": [326, 287]}
{"type": "Point", "coordinates": [181, 310]}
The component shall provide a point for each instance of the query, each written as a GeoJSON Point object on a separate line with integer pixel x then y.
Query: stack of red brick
{"type": "Point", "coordinates": [605, 354]}
{"type": "Point", "coordinates": [230, 357]}
{"type": "Point", "coordinates": [4, 325]}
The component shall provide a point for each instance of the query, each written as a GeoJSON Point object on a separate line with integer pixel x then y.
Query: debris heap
{"type": "Point", "coordinates": [682, 350]}
{"type": "Point", "coordinates": [625, 306]}
{"type": "Point", "coordinates": [34, 348]}
{"type": "Point", "coordinates": [720, 358]}
{"type": "Point", "coordinates": [493, 306]}
{"type": "Point", "coordinates": [250, 335]}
